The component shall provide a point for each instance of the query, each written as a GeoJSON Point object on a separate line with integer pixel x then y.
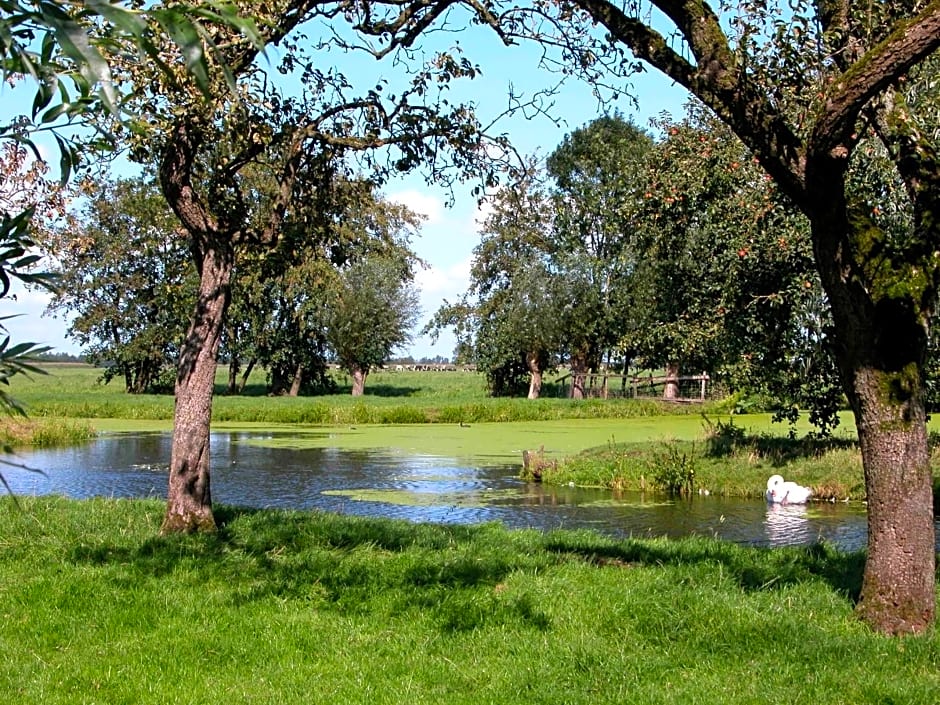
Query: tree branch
{"type": "Point", "coordinates": [910, 41]}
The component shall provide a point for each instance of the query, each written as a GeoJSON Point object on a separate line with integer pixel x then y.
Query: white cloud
{"type": "Point", "coordinates": [28, 322]}
{"type": "Point", "coordinates": [437, 284]}
{"type": "Point", "coordinates": [444, 282]}
{"type": "Point", "coordinates": [431, 207]}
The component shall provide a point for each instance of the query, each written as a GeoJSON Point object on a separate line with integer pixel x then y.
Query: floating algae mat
{"type": "Point", "coordinates": [410, 498]}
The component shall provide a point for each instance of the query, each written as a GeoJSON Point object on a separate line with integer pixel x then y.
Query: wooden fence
{"type": "Point", "coordinates": [604, 385]}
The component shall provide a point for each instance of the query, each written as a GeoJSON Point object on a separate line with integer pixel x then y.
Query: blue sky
{"type": "Point", "coordinates": [450, 233]}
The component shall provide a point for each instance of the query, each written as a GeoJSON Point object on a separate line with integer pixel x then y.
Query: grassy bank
{"type": "Point", "coordinates": [74, 391]}
{"type": "Point", "coordinates": [726, 459]}
{"type": "Point", "coordinates": [42, 433]}
{"type": "Point", "coordinates": [305, 607]}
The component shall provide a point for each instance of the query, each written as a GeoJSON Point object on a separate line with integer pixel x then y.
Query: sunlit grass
{"type": "Point", "coordinates": [17, 431]}
{"type": "Point", "coordinates": [75, 391]}
{"type": "Point", "coordinates": [295, 607]}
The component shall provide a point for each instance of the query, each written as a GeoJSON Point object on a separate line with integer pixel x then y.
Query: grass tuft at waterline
{"type": "Point", "coordinates": [295, 607]}
{"type": "Point", "coordinates": [727, 460]}
{"type": "Point", "coordinates": [42, 433]}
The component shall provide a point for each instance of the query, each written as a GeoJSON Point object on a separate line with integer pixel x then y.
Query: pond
{"type": "Point", "coordinates": [389, 483]}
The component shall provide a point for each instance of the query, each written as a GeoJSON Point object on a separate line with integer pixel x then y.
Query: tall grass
{"type": "Point", "coordinates": [727, 460]}
{"type": "Point", "coordinates": [42, 433]}
{"type": "Point", "coordinates": [292, 607]}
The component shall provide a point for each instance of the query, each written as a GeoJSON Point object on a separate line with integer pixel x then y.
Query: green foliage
{"type": "Point", "coordinates": [728, 272]}
{"type": "Point", "coordinates": [371, 312]}
{"type": "Point", "coordinates": [551, 278]}
{"type": "Point", "coordinates": [15, 360]}
{"type": "Point", "coordinates": [673, 470]}
{"type": "Point", "coordinates": [126, 280]}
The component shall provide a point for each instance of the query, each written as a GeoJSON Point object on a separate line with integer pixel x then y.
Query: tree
{"type": "Point", "coordinates": [279, 299]}
{"type": "Point", "coordinates": [801, 83]}
{"type": "Point", "coordinates": [597, 172]}
{"type": "Point", "coordinates": [73, 80]}
{"type": "Point", "coordinates": [123, 269]}
{"type": "Point", "coordinates": [371, 311]}
{"type": "Point", "coordinates": [726, 269]}
{"type": "Point", "coordinates": [508, 319]}
{"type": "Point", "coordinates": [800, 86]}
{"type": "Point", "coordinates": [26, 191]}
{"type": "Point", "coordinates": [302, 141]}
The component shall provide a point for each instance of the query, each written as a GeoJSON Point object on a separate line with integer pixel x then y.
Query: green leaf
{"type": "Point", "coordinates": [74, 41]}
{"type": "Point", "coordinates": [184, 32]}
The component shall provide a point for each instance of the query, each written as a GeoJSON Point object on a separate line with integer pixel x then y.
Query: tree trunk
{"type": "Point", "coordinates": [535, 375]}
{"type": "Point", "coordinates": [880, 345]}
{"type": "Point", "coordinates": [298, 379]}
{"type": "Point", "coordinates": [248, 368]}
{"type": "Point", "coordinates": [578, 373]}
{"type": "Point", "coordinates": [233, 366]}
{"type": "Point", "coordinates": [359, 381]}
{"type": "Point", "coordinates": [671, 390]}
{"type": "Point", "coordinates": [189, 501]}
{"type": "Point", "coordinates": [898, 591]}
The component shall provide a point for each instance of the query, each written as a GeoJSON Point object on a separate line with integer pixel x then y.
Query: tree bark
{"type": "Point", "coordinates": [359, 381]}
{"type": "Point", "coordinates": [233, 367]}
{"type": "Point", "coordinates": [248, 368]}
{"type": "Point", "coordinates": [898, 591]}
{"type": "Point", "coordinates": [671, 389]}
{"type": "Point", "coordinates": [579, 369]}
{"type": "Point", "coordinates": [297, 381]}
{"type": "Point", "coordinates": [880, 345]}
{"type": "Point", "coordinates": [535, 375]}
{"type": "Point", "coordinates": [189, 500]}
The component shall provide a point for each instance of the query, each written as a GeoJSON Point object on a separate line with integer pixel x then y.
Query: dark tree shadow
{"type": "Point", "coordinates": [350, 564]}
{"type": "Point", "coordinates": [350, 561]}
{"type": "Point", "coordinates": [375, 390]}
{"type": "Point", "coordinates": [725, 439]}
{"type": "Point", "coordinates": [752, 568]}
{"type": "Point", "coordinates": [380, 390]}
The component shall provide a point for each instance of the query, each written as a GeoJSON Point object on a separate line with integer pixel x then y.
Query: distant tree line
{"type": "Point", "coordinates": [620, 250]}
{"type": "Point", "coordinates": [343, 294]}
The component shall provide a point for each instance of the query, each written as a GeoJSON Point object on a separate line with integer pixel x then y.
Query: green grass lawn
{"type": "Point", "coordinates": [290, 607]}
{"type": "Point", "coordinates": [74, 391]}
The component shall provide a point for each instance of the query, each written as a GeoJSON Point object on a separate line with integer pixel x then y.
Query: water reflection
{"type": "Point", "coordinates": [420, 488]}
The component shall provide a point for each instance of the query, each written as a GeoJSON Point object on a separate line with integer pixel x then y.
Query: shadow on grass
{"type": "Point", "coordinates": [453, 574]}
{"type": "Point", "coordinates": [752, 568]}
{"type": "Point", "coordinates": [725, 439]}
{"type": "Point", "coordinates": [379, 390]}
{"type": "Point", "coordinates": [355, 563]}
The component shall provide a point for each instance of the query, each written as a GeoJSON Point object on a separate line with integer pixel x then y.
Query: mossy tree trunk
{"type": "Point", "coordinates": [881, 315]}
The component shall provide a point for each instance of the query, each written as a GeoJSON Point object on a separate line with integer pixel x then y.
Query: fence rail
{"type": "Point", "coordinates": [604, 385]}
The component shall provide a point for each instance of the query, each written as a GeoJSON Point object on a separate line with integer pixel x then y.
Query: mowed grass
{"type": "Point", "coordinates": [291, 607]}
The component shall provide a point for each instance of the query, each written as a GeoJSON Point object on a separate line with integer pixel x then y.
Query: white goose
{"type": "Point", "coordinates": [780, 492]}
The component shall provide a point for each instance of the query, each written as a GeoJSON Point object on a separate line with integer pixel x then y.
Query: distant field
{"type": "Point", "coordinates": [74, 391]}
